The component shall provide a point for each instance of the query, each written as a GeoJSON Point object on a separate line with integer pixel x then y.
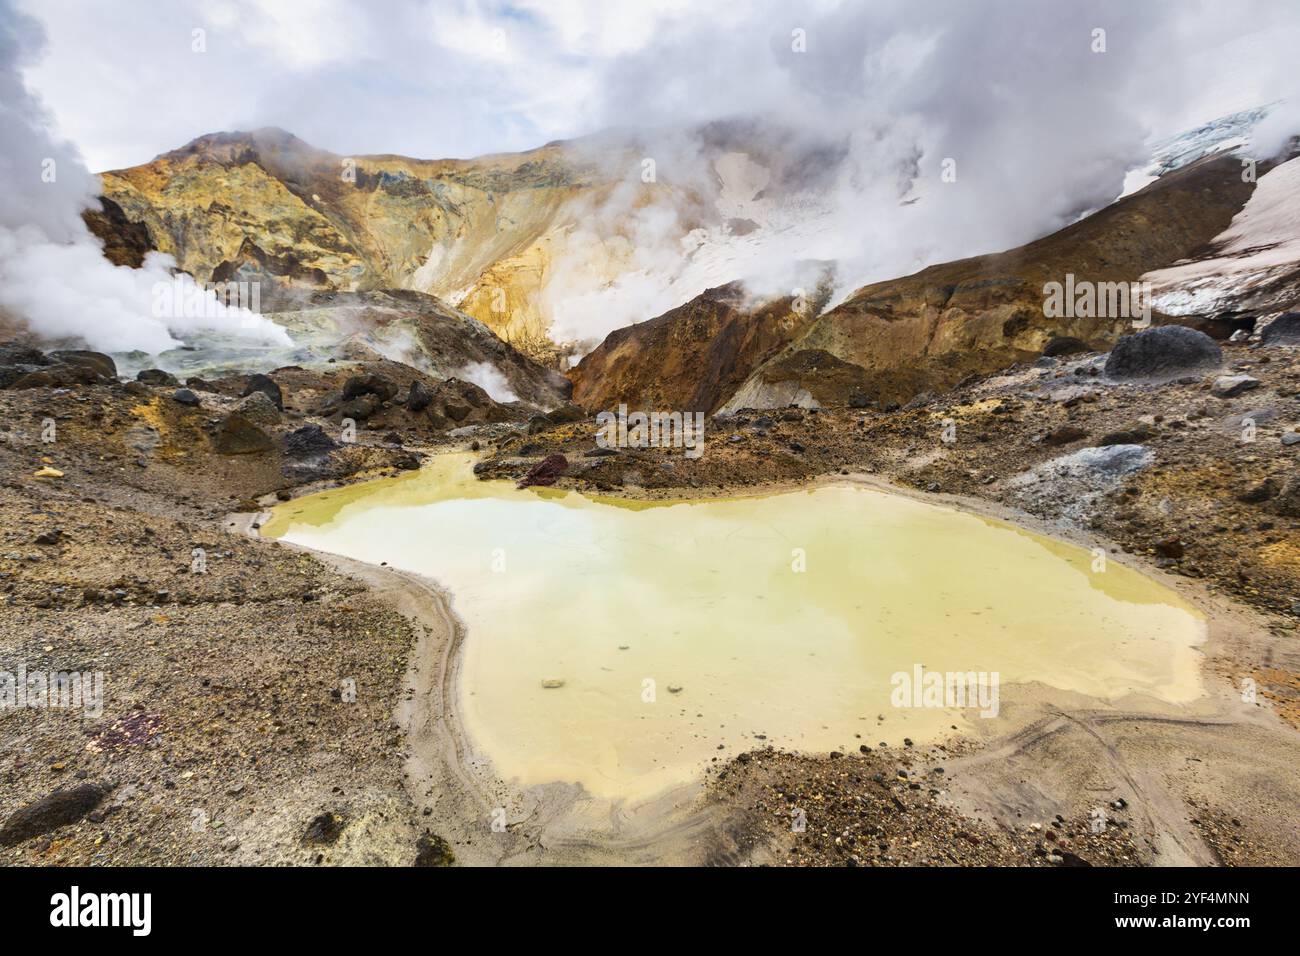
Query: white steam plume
{"type": "Point", "coordinates": [489, 378]}
{"type": "Point", "coordinates": [53, 276]}
{"type": "Point", "coordinates": [852, 110]}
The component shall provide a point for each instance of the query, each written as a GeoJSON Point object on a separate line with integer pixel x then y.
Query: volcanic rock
{"type": "Point", "coordinates": [99, 363]}
{"type": "Point", "coordinates": [1229, 386]}
{"type": "Point", "coordinates": [1284, 330]}
{"type": "Point", "coordinates": [156, 376]}
{"type": "Point", "coordinates": [264, 384]}
{"type": "Point", "coordinates": [63, 806]}
{"type": "Point", "coordinates": [369, 384]}
{"type": "Point", "coordinates": [418, 399]}
{"type": "Point", "coordinates": [236, 435]}
{"type": "Point", "coordinates": [258, 408]}
{"type": "Point", "coordinates": [545, 472]}
{"type": "Point", "coordinates": [1162, 354]}
{"type": "Point", "coordinates": [309, 441]}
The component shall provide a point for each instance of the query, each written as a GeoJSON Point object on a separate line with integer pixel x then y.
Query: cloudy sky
{"type": "Point", "coordinates": [124, 82]}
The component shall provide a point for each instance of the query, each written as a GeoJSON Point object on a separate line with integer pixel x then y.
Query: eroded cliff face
{"type": "Point", "coordinates": [694, 357]}
{"type": "Point", "coordinates": [551, 249]}
{"type": "Point", "coordinates": [267, 206]}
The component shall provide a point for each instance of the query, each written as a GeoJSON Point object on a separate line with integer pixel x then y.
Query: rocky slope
{"type": "Point", "coordinates": [893, 340]}
{"type": "Point", "coordinates": [265, 205]}
{"type": "Point", "coordinates": [550, 248]}
{"type": "Point", "coordinates": [928, 331]}
{"type": "Point", "coordinates": [694, 357]}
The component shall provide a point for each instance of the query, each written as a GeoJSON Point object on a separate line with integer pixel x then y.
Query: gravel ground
{"type": "Point", "coordinates": [247, 690]}
{"type": "Point", "coordinates": [229, 732]}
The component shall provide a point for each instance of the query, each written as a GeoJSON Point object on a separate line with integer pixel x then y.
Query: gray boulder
{"type": "Point", "coordinates": [264, 384]}
{"type": "Point", "coordinates": [307, 442]}
{"type": "Point", "coordinates": [1162, 354]}
{"type": "Point", "coordinates": [1284, 330]}
{"type": "Point", "coordinates": [1229, 386]}
{"type": "Point", "coordinates": [58, 809]}
{"type": "Point", "coordinates": [259, 409]}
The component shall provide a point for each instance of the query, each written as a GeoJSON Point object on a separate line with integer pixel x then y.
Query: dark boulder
{"type": "Point", "coordinates": [236, 435]}
{"type": "Point", "coordinates": [545, 472]}
{"type": "Point", "coordinates": [15, 353]}
{"type": "Point", "coordinates": [1171, 548]}
{"type": "Point", "coordinates": [456, 411]}
{"type": "Point", "coordinates": [433, 850]}
{"type": "Point", "coordinates": [309, 441]}
{"type": "Point", "coordinates": [58, 809]}
{"type": "Point", "coordinates": [369, 384]}
{"type": "Point", "coordinates": [1064, 435]}
{"type": "Point", "coordinates": [21, 364]}
{"type": "Point", "coordinates": [101, 364]}
{"type": "Point", "coordinates": [1284, 330]}
{"type": "Point", "coordinates": [265, 385]}
{"type": "Point", "coordinates": [1065, 345]}
{"type": "Point", "coordinates": [361, 407]}
{"type": "Point", "coordinates": [57, 376]}
{"type": "Point", "coordinates": [1288, 499]}
{"type": "Point", "coordinates": [9, 374]}
{"type": "Point", "coordinates": [418, 399]}
{"type": "Point", "coordinates": [566, 414]}
{"type": "Point", "coordinates": [324, 829]}
{"type": "Point", "coordinates": [183, 396]}
{"type": "Point", "coordinates": [1259, 492]}
{"type": "Point", "coordinates": [156, 376]}
{"type": "Point", "coordinates": [1164, 353]}
{"type": "Point", "coordinates": [1135, 434]}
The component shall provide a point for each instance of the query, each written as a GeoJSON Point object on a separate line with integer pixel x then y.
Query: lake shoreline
{"type": "Point", "coordinates": [560, 824]}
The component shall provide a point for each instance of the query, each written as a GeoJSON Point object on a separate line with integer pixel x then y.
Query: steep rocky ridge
{"type": "Point", "coordinates": [693, 357]}
{"type": "Point", "coordinates": [928, 331]}
{"type": "Point", "coordinates": [551, 248]}
{"type": "Point", "coordinates": [265, 205]}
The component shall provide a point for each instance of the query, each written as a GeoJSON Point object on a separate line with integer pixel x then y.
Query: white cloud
{"type": "Point", "coordinates": [53, 275]}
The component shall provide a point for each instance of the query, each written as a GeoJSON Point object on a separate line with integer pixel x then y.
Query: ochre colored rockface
{"type": "Point", "coordinates": [690, 359]}
{"type": "Point", "coordinates": [486, 235]}
{"type": "Point", "coordinates": [266, 205]}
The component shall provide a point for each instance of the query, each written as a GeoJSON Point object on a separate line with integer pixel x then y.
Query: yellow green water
{"type": "Point", "coordinates": [682, 631]}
